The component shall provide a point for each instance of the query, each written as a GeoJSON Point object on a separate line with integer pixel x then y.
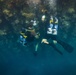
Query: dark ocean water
{"type": "Point", "coordinates": [16, 59]}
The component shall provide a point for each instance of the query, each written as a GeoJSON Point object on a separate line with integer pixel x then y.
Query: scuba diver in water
{"type": "Point", "coordinates": [52, 32]}
{"type": "Point", "coordinates": [26, 35]}
{"type": "Point", "coordinates": [52, 28]}
{"type": "Point", "coordinates": [29, 35]}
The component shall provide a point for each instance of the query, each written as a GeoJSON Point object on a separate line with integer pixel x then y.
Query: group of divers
{"type": "Point", "coordinates": [41, 31]}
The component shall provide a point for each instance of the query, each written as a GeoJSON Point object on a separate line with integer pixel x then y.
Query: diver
{"type": "Point", "coordinates": [34, 36]}
{"type": "Point", "coordinates": [26, 36]}
{"type": "Point", "coordinates": [52, 28]}
{"type": "Point", "coordinates": [51, 33]}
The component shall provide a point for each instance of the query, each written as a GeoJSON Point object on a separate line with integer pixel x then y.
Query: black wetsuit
{"type": "Point", "coordinates": [30, 37]}
{"type": "Point", "coordinates": [65, 45]}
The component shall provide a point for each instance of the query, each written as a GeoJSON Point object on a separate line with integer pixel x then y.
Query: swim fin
{"type": "Point", "coordinates": [66, 46]}
{"type": "Point", "coordinates": [55, 48]}
{"type": "Point", "coordinates": [36, 47]}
